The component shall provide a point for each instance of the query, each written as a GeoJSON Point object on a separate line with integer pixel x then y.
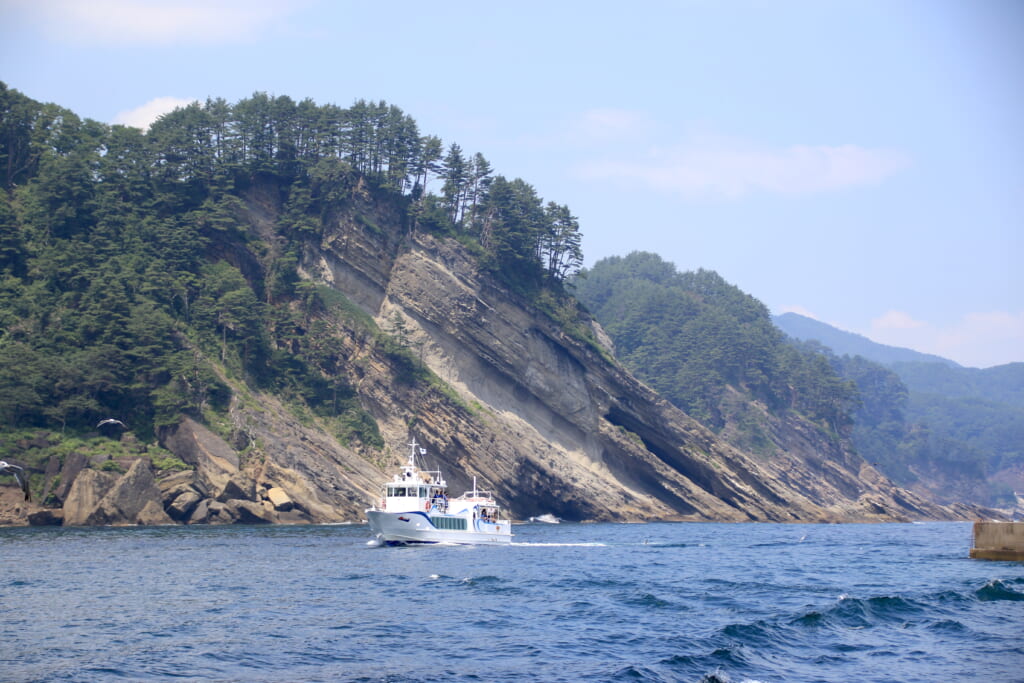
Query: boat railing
{"type": "Point", "coordinates": [491, 525]}
{"type": "Point", "coordinates": [477, 496]}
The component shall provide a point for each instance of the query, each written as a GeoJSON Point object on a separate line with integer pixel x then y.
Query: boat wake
{"type": "Point", "coordinates": [560, 545]}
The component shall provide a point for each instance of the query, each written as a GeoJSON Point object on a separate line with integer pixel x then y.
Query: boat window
{"type": "Point", "coordinates": [449, 523]}
{"type": "Point", "coordinates": [423, 492]}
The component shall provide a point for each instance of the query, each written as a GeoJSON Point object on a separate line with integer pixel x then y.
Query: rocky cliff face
{"type": "Point", "coordinates": [540, 418]}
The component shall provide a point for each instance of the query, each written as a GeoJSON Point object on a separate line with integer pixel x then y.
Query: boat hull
{"type": "Point", "coordinates": [403, 528]}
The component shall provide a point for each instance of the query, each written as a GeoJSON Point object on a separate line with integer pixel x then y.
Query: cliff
{"type": "Point", "coordinates": [546, 420]}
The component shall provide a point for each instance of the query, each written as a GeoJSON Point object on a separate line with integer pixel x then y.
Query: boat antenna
{"type": "Point", "coordinates": [412, 452]}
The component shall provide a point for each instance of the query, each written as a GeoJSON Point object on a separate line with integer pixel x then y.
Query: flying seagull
{"type": "Point", "coordinates": [6, 468]}
{"type": "Point", "coordinates": [111, 421]}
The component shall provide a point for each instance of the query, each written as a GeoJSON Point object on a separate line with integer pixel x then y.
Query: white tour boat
{"type": "Point", "coordinates": [415, 508]}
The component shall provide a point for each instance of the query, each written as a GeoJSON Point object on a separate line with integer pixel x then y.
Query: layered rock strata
{"type": "Point", "coordinates": [545, 420]}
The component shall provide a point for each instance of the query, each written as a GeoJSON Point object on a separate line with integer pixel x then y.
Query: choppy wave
{"type": "Point", "coordinates": [1001, 590]}
{"type": "Point", "coordinates": [564, 603]}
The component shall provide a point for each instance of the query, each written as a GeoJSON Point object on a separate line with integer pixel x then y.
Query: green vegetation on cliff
{"type": "Point", "coordinates": [691, 336]}
{"type": "Point", "coordinates": [700, 342]}
{"type": "Point", "coordinates": [139, 270]}
{"type": "Point", "coordinates": [927, 421]}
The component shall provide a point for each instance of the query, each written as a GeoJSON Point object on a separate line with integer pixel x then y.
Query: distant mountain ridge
{"type": "Point", "coordinates": [849, 344]}
{"type": "Point", "coordinates": [955, 431]}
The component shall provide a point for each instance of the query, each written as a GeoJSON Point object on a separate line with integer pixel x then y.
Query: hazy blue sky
{"type": "Point", "coordinates": [860, 162]}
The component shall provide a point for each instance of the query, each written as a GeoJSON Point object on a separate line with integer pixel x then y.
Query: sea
{"type": "Point", "coordinates": [564, 602]}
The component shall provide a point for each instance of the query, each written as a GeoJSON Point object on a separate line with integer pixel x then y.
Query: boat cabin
{"type": "Point", "coordinates": [415, 490]}
{"type": "Point", "coordinates": [413, 496]}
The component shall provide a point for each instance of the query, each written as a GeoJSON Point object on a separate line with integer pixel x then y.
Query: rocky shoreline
{"type": "Point", "coordinates": [215, 491]}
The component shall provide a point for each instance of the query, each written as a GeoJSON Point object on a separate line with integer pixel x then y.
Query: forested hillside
{"type": "Point", "coordinates": [1002, 384]}
{"type": "Point", "coordinates": [700, 342]}
{"type": "Point", "coordinates": [697, 340]}
{"type": "Point", "coordinates": [131, 279]}
{"type": "Point", "coordinates": [929, 423]}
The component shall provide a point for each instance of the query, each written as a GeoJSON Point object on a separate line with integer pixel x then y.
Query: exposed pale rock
{"type": "Point", "coordinates": [328, 483]}
{"type": "Point", "coordinates": [85, 495]}
{"type": "Point", "coordinates": [213, 458]}
{"type": "Point", "coordinates": [200, 513]}
{"type": "Point", "coordinates": [130, 495]}
{"type": "Point", "coordinates": [179, 494]}
{"type": "Point", "coordinates": [74, 463]}
{"type": "Point", "coordinates": [279, 499]}
{"type": "Point", "coordinates": [14, 509]}
{"type": "Point", "coordinates": [249, 512]}
{"type": "Point", "coordinates": [183, 505]}
{"type": "Point", "coordinates": [239, 486]}
{"type": "Point", "coordinates": [173, 485]}
{"type": "Point", "coordinates": [152, 514]}
{"type": "Point", "coordinates": [219, 513]}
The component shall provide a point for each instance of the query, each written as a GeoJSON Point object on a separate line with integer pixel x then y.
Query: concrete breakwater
{"type": "Point", "coordinates": [998, 541]}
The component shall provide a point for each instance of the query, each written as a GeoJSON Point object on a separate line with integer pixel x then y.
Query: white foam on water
{"type": "Point", "coordinates": [560, 545]}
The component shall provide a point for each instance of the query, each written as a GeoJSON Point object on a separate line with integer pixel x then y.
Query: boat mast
{"type": "Point", "coordinates": [412, 454]}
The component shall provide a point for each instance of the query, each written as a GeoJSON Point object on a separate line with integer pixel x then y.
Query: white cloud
{"type": "Point", "coordinates": [156, 22]}
{"type": "Point", "coordinates": [142, 117]}
{"type": "Point", "coordinates": [599, 128]}
{"type": "Point", "coordinates": [612, 124]}
{"type": "Point", "coordinates": [980, 339]}
{"type": "Point", "coordinates": [896, 322]}
{"type": "Point", "coordinates": [716, 167]}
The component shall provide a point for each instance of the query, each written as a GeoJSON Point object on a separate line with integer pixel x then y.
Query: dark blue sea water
{"type": "Point", "coordinates": [579, 602]}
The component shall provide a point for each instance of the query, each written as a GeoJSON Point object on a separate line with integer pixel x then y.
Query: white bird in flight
{"type": "Point", "coordinates": [6, 468]}
{"type": "Point", "coordinates": [111, 421]}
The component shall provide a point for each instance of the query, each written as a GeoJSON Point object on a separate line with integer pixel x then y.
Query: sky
{"type": "Point", "coordinates": [860, 162]}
